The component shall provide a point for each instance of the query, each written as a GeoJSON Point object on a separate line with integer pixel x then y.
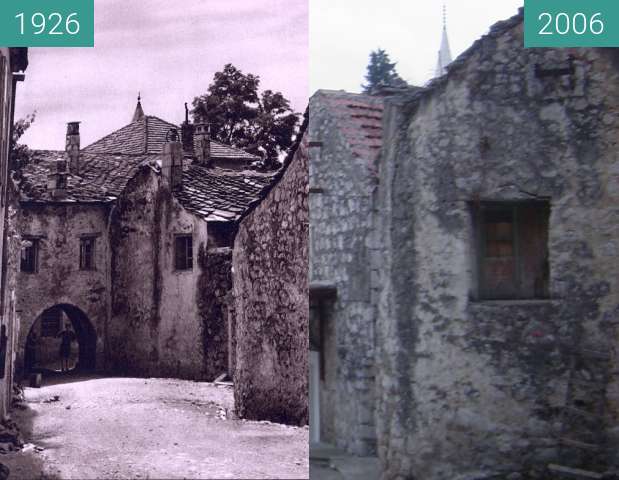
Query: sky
{"type": "Point", "coordinates": [168, 51]}
{"type": "Point", "coordinates": [344, 32]}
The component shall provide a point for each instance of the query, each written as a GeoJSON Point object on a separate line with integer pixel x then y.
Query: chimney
{"type": "Point", "coordinates": [57, 180]}
{"type": "Point", "coordinates": [73, 147]}
{"type": "Point", "coordinates": [187, 131]}
{"type": "Point", "coordinates": [172, 162]}
{"type": "Point", "coordinates": [203, 144]}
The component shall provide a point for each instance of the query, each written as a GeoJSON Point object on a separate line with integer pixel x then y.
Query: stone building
{"type": "Point", "coordinates": [488, 343]}
{"type": "Point", "coordinates": [499, 212]}
{"type": "Point", "coordinates": [270, 264]}
{"type": "Point", "coordinates": [345, 140]}
{"type": "Point", "coordinates": [129, 240]}
{"type": "Point", "coordinates": [13, 62]}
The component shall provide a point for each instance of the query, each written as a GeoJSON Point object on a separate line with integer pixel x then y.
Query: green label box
{"type": "Point", "coordinates": [571, 23]}
{"type": "Point", "coordinates": [47, 23]}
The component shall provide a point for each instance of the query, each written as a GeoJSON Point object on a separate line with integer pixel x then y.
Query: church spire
{"type": "Point", "coordinates": [444, 54]}
{"type": "Point", "coordinates": [139, 113]}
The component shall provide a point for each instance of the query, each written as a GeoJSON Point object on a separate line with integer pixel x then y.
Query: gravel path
{"type": "Point", "coordinates": [149, 428]}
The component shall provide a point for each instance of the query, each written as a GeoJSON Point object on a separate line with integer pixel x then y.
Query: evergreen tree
{"type": "Point", "coordinates": [381, 72]}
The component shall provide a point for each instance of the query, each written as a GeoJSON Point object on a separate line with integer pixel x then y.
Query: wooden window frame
{"type": "Point", "coordinates": [515, 208]}
{"type": "Point", "coordinates": [92, 265]}
{"type": "Point", "coordinates": [35, 260]}
{"type": "Point", "coordinates": [187, 255]}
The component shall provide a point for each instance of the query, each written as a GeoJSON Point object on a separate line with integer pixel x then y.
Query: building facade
{"type": "Point", "coordinates": [464, 274]}
{"type": "Point", "coordinates": [128, 242]}
{"type": "Point", "coordinates": [345, 139]}
{"type": "Point", "coordinates": [499, 213]}
{"type": "Point", "coordinates": [13, 62]}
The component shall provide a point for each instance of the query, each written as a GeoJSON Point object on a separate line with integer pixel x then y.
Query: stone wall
{"type": "Point", "coordinates": [213, 289]}
{"type": "Point", "coordinates": [57, 229]}
{"type": "Point", "coordinates": [469, 386]}
{"type": "Point", "coordinates": [158, 325]}
{"type": "Point", "coordinates": [342, 251]}
{"type": "Point", "coordinates": [8, 238]}
{"type": "Point", "coordinates": [270, 263]}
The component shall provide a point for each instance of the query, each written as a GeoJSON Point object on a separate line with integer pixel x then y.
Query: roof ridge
{"type": "Point", "coordinates": [112, 133]}
{"type": "Point", "coordinates": [161, 120]}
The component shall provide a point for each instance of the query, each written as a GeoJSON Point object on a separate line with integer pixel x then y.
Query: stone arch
{"type": "Point", "coordinates": [84, 331]}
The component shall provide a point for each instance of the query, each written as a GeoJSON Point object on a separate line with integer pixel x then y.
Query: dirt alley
{"type": "Point", "coordinates": [148, 428]}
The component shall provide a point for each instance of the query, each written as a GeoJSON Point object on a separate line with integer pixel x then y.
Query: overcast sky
{"type": "Point", "coordinates": [167, 50]}
{"type": "Point", "coordinates": [343, 32]}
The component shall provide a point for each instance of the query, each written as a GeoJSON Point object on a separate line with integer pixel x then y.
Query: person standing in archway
{"type": "Point", "coordinates": [66, 338]}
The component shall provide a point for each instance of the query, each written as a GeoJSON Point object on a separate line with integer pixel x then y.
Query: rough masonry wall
{"type": "Point", "coordinates": [270, 283]}
{"type": "Point", "coordinates": [213, 289]}
{"type": "Point", "coordinates": [156, 326]}
{"type": "Point", "coordinates": [341, 255]}
{"type": "Point", "coordinates": [471, 386]}
{"type": "Point", "coordinates": [12, 250]}
{"type": "Point", "coordinates": [59, 280]}
{"type": "Point", "coordinates": [8, 319]}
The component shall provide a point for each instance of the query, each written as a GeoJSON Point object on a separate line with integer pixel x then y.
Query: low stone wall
{"type": "Point", "coordinates": [270, 265]}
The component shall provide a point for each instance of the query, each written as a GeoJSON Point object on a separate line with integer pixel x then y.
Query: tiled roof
{"type": "Point", "coordinates": [359, 118]}
{"type": "Point", "coordinates": [216, 194]}
{"type": "Point", "coordinates": [103, 178]}
{"type": "Point", "coordinates": [147, 136]}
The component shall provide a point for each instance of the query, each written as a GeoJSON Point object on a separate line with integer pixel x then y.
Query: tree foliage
{"type": "Point", "coordinates": [381, 72]}
{"type": "Point", "coordinates": [260, 123]}
{"type": "Point", "coordinates": [20, 154]}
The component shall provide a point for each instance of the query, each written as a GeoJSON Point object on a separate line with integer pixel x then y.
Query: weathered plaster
{"type": "Point", "coordinates": [155, 313]}
{"type": "Point", "coordinates": [59, 280]}
{"type": "Point", "coordinates": [469, 386]}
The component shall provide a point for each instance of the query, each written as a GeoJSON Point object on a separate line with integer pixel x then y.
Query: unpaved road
{"type": "Point", "coordinates": [149, 428]}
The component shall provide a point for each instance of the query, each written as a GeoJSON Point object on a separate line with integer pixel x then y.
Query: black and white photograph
{"type": "Point", "coordinates": [154, 287]}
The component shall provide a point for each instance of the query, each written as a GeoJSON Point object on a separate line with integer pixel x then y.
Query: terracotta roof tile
{"type": "Point", "coordinates": [359, 118]}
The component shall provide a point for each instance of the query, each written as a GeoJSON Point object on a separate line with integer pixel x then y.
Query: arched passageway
{"type": "Point", "coordinates": [42, 348]}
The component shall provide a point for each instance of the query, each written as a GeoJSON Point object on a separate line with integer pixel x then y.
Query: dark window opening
{"type": "Point", "coordinates": [87, 253]}
{"type": "Point", "coordinates": [221, 234]}
{"type": "Point", "coordinates": [513, 250]}
{"type": "Point", "coordinates": [51, 322]}
{"type": "Point", "coordinates": [316, 332]}
{"type": "Point", "coordinates": [29, 256]}
{"type": "Point", "coordinates": [183, 252]}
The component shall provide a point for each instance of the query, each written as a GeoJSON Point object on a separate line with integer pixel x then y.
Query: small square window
{"type": "Point", "coordinates": [30, 255]}
{"type": "Point", "coordinates": [513, 250]}
{"type": "Point", "coordinates": [87, 253]}
{"type": "Point", "coordinates": [183, 252]}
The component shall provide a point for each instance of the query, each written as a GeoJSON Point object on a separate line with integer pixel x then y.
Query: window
{"type": "Point", "coordinates": [513, 249]}
{"type": "Point", "coordinates": [30, 255]}
{"type": "Point", "coordinates": [87, 253]}
{"type": "Point", "coordinates": [183, 252]}
{"type": "Point", "coordinates": [51, 322]}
